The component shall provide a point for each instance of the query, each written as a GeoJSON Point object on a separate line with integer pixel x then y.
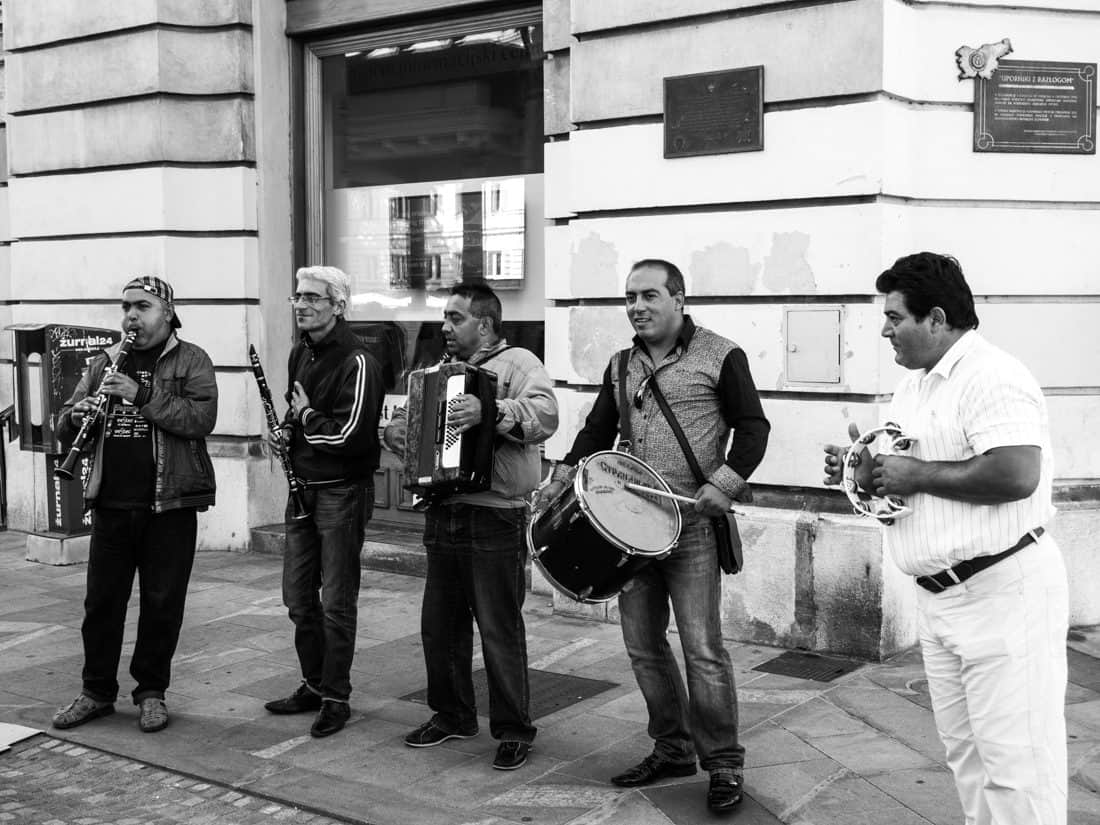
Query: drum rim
{"type": "Point", "coordinates": [599, 528]}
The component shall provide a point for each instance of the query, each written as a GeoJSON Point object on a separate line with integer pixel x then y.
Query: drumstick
{"type": "Point", "coordinates": [640, 488]}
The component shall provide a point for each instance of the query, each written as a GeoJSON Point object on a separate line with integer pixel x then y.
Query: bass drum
{"type": "Point", "coordinates": [596, 535]}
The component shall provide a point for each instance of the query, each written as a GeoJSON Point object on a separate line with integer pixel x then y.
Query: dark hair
{"type": "Point", "coordinates": [674, 280]}
{"type": "Point", "coordinates": [484, 303]}
{"type": "Point", "coordinates": [928, 280]}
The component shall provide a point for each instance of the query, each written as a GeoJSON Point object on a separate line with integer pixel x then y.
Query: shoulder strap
{"type": "Point", "coordinates": [689, 454]}
{"type": "Point", "coordinates": [626, 436]}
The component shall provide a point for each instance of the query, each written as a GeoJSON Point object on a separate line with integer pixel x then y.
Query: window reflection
{"type": "Point", "coordinates": [433, 162]}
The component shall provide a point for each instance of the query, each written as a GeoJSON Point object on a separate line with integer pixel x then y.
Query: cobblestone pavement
{"type": "Point", "coordinates": [46, 781]}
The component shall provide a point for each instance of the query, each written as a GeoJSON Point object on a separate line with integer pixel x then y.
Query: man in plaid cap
{"type": "Point", "coordinates": [151, 474]}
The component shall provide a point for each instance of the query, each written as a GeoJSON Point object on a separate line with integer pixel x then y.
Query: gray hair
{"type": "Point", "coordinates": [336, 281]}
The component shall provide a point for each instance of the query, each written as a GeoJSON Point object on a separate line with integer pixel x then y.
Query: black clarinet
{"type": "Point", "coordinates": [299, 510]}
{"type": "Point", "coordinates": [92, 419]}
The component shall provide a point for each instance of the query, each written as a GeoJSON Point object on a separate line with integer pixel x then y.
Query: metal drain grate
{"type": "Point", "coordinates": [550, 692]}
{"type": "Point", "coordinates": [808, 666]}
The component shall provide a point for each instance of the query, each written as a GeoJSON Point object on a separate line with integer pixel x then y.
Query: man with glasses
{"type": "Point", "coordinates": [331, 432]}
{"type": "Point", "coordinates": [706, 381]}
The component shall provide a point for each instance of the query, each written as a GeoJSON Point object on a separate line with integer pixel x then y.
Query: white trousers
{"type": "Point", "coordinates": [994, 652]}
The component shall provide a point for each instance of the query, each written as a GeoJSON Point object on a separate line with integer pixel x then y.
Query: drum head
{"type": "Point", "coordinates": [637, 522]}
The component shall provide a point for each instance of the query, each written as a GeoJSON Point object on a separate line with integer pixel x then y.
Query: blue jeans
{"type": "Point", "coordinates": [703, 719]}
{"type": "Point", "coordinates": [160, 548]}
{"type": "Point", "coordinates": [476, 557]}
{"type": "Point", "coordinates": [321, 583]}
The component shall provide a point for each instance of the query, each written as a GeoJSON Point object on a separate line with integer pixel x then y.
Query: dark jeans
{"type": "Point", "coordinates": [476, 557]}
{"type": "Point", "coordinates": [703, 719]}
{"type": "Point", "coordinates": [321, 583]}
{"type": "Point", "coordinates": [160, 548]}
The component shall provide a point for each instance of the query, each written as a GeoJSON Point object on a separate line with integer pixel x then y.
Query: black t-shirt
{"type": "Point", "coordinates": [129, 470]}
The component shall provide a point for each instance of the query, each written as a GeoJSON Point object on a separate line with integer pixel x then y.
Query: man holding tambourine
{"type": "Point", "coordinates": [967, 486]}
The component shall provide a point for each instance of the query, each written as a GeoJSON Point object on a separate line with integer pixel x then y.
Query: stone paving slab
{"type": "Point", "coordinates": [860, 749]}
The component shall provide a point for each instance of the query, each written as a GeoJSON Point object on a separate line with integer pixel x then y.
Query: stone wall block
{"type": "Point", "coordinates": [598, 15]}
{"type": "Point", "coordinates": [223, 268]}
{"type": "Point", "coordinates": [555, 73]}
{"type": "Point", "coordinates": [807, 52]}
{"type": "Point", "coordinates": [556, 25]}
{"type": "Point", "coordinates": [36, 22]}
{"type": "Point", "coordinates": [135, 200]}
{"type": "Point", "coordinates": [147, 130]}
{"type": "Point", "coordinates": [136, 63]}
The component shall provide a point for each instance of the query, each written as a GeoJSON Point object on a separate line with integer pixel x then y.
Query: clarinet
{"type": "Point", "coordinates": [299, 510]}
{"type": "Point", "coordinates": [92, 419]}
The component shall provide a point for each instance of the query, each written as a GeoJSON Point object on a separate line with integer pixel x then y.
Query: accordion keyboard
{"type": "Point", "coordinates": [451, 447]}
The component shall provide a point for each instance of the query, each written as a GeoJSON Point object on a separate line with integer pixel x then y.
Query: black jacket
{"type": "Point", "coordinates": [336, 436]}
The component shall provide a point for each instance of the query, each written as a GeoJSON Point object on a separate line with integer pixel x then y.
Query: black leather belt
{"type": "Point", "coordinates": [965, 569]}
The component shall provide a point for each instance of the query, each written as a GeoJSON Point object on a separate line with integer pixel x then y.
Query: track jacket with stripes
{"type": "Point", "coordinates": [336, 436]}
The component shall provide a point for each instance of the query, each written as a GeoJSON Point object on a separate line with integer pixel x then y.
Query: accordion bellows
{"type": "Point", "coordinates": [440, 461]}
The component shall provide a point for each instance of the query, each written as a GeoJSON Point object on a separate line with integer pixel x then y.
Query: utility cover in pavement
{"type": "Point", "coordinates": [808, 666]}
{"type": "Point", "coordinates": [550, 692]}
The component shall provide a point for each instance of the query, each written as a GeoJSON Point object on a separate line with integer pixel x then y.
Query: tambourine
{"type": "Point", "coordinates": [884, 508]}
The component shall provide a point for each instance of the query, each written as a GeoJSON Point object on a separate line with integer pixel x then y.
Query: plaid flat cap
{"type": "Point", "coordinates": [159, 287]}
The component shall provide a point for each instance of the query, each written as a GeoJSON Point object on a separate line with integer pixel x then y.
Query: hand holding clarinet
{"type": "Point", "coordinates": [89, 411]}
{"type": "Point", "coordinates": [279, 438]}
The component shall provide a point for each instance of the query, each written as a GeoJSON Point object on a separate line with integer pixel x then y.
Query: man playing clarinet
{"type": "Point", "coordinates": [161, 402]}
{"type": "Point", "coordinates": [331, 433]}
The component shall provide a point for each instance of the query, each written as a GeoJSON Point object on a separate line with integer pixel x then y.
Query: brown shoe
{"type": "Point", "coordinates": [154, 715]}
{"type": "Point", "coordinates": [80, 710]}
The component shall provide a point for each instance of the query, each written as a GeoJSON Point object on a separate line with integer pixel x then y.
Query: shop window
{"type": "Point", "coordinates": [424, 170]}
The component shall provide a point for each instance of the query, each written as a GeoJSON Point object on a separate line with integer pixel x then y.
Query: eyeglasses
{"type": "Point", "coordinates": [639, 395]}
{"type": "Point", "coordinates": [311, 298]}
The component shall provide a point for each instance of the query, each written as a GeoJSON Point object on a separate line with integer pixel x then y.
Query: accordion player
{"type": "Point", "coordinates": [439, 460]}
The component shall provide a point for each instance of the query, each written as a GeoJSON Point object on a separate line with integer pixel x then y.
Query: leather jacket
{"type": "Point", "coordinates": [182, 408]}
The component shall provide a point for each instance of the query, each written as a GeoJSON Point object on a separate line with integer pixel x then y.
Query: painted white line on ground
{"type": "Point", "coordinates": [37, 634]}
{"type": "Point", "coordinates": [561, 653]}
{"type": "Point", "coordinates": [281, 748]}
{"type": "Point", "coordinates": [557, 796]}
{"type": "Point", "coordinates": [778, 697]}
{"type": "Point", "coordinates": [788, 813]}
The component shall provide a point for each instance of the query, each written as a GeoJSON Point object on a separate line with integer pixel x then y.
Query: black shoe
{"type": "Point", "coordinates": [511, 755]}
{"type": "Point", "coordinates": [300, 701]}
{"type": "Point", "coordinates": [331, 718]}
{"type": "Point", "coordinates": [650, 769]}
{"type": "Point", "coordinates": [429, 734]}
{"type": "Point", "coordinates": [725, 790]}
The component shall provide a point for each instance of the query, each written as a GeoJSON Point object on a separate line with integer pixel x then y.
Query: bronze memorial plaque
{"type": "Point", "coordinates": [1036, 106]}
{"type": "Point", "coordinates": [714, 112]}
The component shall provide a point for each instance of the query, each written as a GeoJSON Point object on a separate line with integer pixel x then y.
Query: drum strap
{"type": "Point", "coordinates": [626, 435]}
{"type": "Point", "coordinates": [726, 534]}
{"type": "Point", "coordinates": [689, 454]}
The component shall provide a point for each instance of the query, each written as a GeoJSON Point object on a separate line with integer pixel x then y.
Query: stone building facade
{"type": "Point", "coordinates": [222, 143]}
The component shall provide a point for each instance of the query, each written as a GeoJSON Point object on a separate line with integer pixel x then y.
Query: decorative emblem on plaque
{"type": "Point", "coordinates": [981, 62]}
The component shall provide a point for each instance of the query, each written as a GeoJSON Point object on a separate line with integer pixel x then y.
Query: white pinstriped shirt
{"type": "Point", "coordinates": [976, 398]}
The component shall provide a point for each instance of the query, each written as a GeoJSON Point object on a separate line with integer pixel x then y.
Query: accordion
{"type": "Point", "coordinates": [440, 461]}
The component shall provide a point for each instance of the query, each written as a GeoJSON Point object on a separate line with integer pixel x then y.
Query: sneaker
{"type": "Point", "coordinates": [511, 755]}
{"type": "Point", "coordinates": [331, 718]}
{"type": "Point", "coordinates": [154, 715]}
{"type": "Point", "coordinates": [429, 734]}
{"type": "Point", "coordinates": [725, 789]}
{"type": "Point", "coordinates": [80, 710]}
{"type": "Point", "coordinates": [302, 700]}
